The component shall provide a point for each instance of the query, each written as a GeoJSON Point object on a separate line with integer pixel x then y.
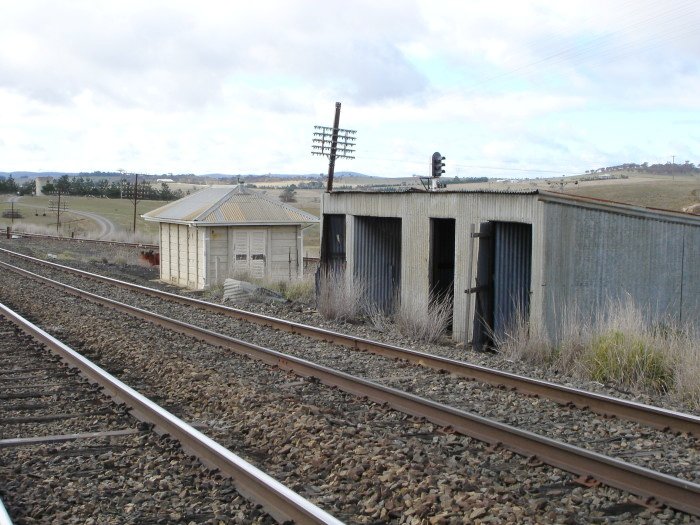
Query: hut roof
{"type": "Point", "coordinates": [229, 205]}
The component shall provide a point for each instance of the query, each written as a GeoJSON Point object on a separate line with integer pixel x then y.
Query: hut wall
{"type": "Point", "coordinates": [415, 210]}
{"type": "Point", "coordinates": [595, 255]}
{"type": "Point", "coordinates": [284, 249]}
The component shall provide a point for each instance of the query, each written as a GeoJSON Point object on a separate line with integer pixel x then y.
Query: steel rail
{"type": "Point", "coordinates": [652, 416]}
{"type": "Point", "coordinates": [675, 492]}
{"type": "Point", "coordinates": [279, 501]}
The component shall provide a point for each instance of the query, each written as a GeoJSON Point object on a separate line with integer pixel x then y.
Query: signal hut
{"type": "Point", "coordinates": [229, 231]}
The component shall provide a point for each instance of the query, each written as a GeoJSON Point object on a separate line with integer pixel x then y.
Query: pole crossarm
{"type": "Point", "coordinates": [333, 143]}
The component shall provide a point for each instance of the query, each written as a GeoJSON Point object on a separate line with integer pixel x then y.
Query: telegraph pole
{"type": "Point", "coordinates": [333, 143]}
{"type": "Point", "coordinates": [334, 147]}
{"type": "Point", "coordinates": [58, 212]}
{"type": "Point", "coordinates": [136, 187]}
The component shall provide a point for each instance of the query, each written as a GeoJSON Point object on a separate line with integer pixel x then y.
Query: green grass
{"type": "Point", "coordinates": [615, 357]}
{"type": "Point", "coordinates": [35, 211]}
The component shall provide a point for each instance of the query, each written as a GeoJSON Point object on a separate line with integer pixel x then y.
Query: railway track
{"type": "Point", "coordinates": [607, 405]}
{"type": "Point", "coordinates": [69, 453]}
{"type": "Point", "coordinates": [145, 246]}
{"type": "Point", "coordinates": [672, 490]}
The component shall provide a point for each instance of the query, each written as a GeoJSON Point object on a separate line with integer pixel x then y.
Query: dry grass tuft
{"type": "Point", "coordinates": [619, 346]}
{"type": "Point", "coordinates": [299, 290]}
{"type": "Point", "coordinates": [412, 321]}
{"type": "Point", "coordinates": [337, 298]}
{"type": "Point", "coordinates": [417, 323]}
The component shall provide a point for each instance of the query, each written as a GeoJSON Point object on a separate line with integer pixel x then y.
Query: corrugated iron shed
{"type": "Point", "coordinates": [516, 250]}
{"type": "Point", "coordinates": [229, 205]}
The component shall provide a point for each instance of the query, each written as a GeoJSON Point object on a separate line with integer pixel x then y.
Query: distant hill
{"type": "Point", "coordinates": [249, 177]}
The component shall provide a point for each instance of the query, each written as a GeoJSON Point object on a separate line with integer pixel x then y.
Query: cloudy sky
{"type": "Point", "coordinates": [500, 87]}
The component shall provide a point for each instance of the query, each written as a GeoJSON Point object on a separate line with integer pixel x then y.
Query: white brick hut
{"type": "Point", "coordinates": [229, 231]}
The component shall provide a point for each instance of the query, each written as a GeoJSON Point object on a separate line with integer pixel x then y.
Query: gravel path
{"type": "Point", "coordinates": [672, 453]}
{"type": "Point", "coordinates": [360, 461]}
{"type": "Point", "coordinates": [136, 477]}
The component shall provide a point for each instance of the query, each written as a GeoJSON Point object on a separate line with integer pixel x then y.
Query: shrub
{"type": "Point", "coordinates": [300, 290]}
{"type": "Point", "coordinates": [629, 360]}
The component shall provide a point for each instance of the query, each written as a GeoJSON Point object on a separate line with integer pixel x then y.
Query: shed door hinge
{"type": "Point", "coordinates": [476, 289]}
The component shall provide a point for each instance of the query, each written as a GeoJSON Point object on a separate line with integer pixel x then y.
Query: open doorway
{"type": "Point", "coordinates": [333, 242]}
{"type": "Point", "coordinates": [442, 259]}
{"type": "Point", "coordinates": [502, 279]}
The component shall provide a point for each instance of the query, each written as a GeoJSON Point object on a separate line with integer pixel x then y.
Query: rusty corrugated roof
{"type": "Point", "coordinates": [229, 205]}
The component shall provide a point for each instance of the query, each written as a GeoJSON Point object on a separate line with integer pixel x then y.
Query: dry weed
{"type": "Point", "coordinates": [337, 298]}
{"type": "Point", "coordinates": [620, 345]}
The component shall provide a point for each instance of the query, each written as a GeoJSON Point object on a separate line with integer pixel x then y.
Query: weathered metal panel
{"type": "Point", "coordinates": [690, 277]}
{"type": "Point", "coordinates": [256, 209]}
{"type": "Point", "coordinates": [511, 281]}
{"type": "Point", "coordinates": [594, 256]}
{"type": "Point", "coordinates": [190, 207]}
{"type": "Point", "coordinates": [583, 252]}
{"type": "Point", "coordinates": [378, 259]}
{"type": "Point", "coordinates": [164, 232]}
{"type": "Point", "coordinates": [183, 249]}
{"type": "Point", "coordinates": [334, 248]}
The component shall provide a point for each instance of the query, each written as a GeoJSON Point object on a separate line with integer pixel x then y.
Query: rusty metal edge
{"type": "Point", "coordinates": [675, 492]}
{"type": "Point", "coordinates": [279, 501]}
{"type": "Point", "coordinates": [653, 416]}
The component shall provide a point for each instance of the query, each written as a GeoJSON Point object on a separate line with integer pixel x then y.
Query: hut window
{"type": "Point", "coordinates": [258, 257]}
{"type": "Point", "coordinates": [241, 256]}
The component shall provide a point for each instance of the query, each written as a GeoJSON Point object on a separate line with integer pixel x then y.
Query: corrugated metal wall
{"type": "Point", "coordinates": [511, 274]}
{"type": "Point", "coordinates": [593, 256]}
{"type": "Point", "coordinates": [378, 259]}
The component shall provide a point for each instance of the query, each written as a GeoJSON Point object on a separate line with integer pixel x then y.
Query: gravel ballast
{"type": "Point", "coordinates": [671, 453]}
{"type": "Point", "coordinates": [132, 477]}
{"type": "Point", "coordinates": [360, 461]}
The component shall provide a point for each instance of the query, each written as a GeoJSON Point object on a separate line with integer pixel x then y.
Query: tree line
{"type": "Point", "coordinates": [669, 168]}
{"type": "Point", "coordinates": [9, 185]}
{"type": "Point", "coordinates": [82, 186]}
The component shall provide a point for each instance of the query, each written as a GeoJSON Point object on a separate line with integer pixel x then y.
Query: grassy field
{"type": "Point", "coordinates": [665, 193]}
{"type": "Point", "coordinates": [36, 213]}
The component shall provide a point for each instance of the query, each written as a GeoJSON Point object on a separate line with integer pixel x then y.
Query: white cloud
{"type": "Point", "coordinates": [170, 86]}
